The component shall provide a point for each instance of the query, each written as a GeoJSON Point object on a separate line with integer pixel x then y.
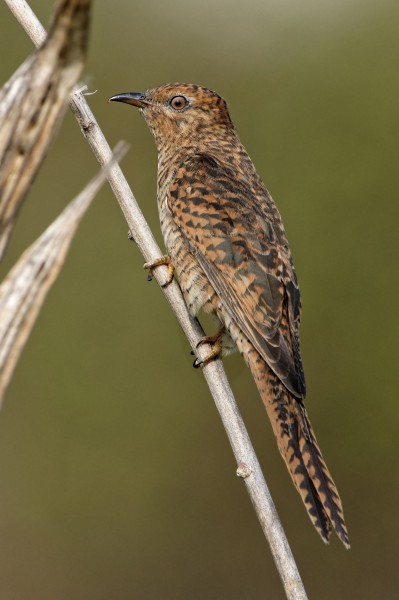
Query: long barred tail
{"type": "Point", "coordinates": [300, 451]}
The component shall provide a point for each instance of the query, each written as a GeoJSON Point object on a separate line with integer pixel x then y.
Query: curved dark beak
{"type": "Point", "coordinates": [135, 98]}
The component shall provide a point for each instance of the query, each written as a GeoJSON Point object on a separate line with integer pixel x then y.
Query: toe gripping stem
{"type": "Point", "coordinates": [162, 260]}
{"type": "Point", "coordinates": [216, 342]}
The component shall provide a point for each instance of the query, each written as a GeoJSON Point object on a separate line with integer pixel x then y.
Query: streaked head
{"type": "Point", "coordinates": [176, 112]}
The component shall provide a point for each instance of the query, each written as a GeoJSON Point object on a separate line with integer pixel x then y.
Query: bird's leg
{"type": "Point", "coordinates": [162, 260]}
{"type": "Point", "coordinates": [216, 342]}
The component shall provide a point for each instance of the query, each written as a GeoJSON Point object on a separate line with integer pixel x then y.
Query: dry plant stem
{"type": "Point", "coordinates": [248, 465]}
{"type": "Point", "coordinates": [25, 288]}
{"type": "Point", "coordinates": [213, 372]}
{"type": "Point", "coordinates": [32, 104]}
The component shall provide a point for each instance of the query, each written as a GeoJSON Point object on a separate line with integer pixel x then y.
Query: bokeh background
{"type": "Point", "coordinates": [116, 477]}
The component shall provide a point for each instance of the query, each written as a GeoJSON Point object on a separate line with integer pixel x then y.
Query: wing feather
{"type": "Point", "coordinates": [239, 241]}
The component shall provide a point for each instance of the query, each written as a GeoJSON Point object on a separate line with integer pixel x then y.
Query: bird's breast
{"type": "Point", "coordinates": [197, 290]}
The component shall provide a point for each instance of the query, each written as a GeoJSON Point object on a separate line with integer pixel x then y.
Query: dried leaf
{"type": "Point", "coordinates": [24, 290]}
{"type": "Point", "coordinates": [32, 104]}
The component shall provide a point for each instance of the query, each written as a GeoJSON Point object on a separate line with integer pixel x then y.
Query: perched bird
{"type": "Point", "coordinates": [226, 241]}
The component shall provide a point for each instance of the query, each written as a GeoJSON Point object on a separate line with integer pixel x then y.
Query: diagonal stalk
{"type": "Point", "coordinates": [248, 465]}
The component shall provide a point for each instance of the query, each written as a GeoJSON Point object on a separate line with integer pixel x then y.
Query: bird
{"type": "Point", "coordinates": [227, 245]}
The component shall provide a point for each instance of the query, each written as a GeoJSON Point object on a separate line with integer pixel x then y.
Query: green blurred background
{"type": "Point", "coordinates": [116, 477]}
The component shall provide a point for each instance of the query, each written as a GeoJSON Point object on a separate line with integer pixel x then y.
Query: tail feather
{"type": "Point", "coordinates": [318, 470]}
{"type": "Point", "coordinates": [300, 451]}
{"type": "Point", "coordinates": [304, 483]}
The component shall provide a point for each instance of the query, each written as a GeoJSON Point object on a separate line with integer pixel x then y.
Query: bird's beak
{"type": "Point", "coordinates": [135, 98]}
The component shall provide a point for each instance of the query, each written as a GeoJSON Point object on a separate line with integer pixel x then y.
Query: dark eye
{"type": "Point", "coordinates": [178, 102]}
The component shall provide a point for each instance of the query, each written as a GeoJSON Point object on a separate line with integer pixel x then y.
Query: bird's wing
{"type": "Point", "coordinates": [238, 239]}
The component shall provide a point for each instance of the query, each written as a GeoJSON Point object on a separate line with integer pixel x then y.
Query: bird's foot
{"type": "Point", "coordinates": [216, 342]}
{"type": "Point", "coordinates": [162, 260]}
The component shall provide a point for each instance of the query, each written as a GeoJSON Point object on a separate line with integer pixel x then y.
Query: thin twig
{"type": "Point", "coordinates": [248, 465]}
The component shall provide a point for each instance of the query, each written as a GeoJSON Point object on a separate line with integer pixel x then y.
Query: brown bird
{"type": "Point", "coordinates": [227, 244]}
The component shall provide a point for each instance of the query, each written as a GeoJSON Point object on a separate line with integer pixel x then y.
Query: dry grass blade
{"type": "Point", "coordinates": [32, 104]}
{"type": "Point", "coordinates": [24, 290]}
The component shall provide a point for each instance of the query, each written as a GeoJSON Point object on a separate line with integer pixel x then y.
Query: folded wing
{"type": "Point", "coordinates": [238, 239]}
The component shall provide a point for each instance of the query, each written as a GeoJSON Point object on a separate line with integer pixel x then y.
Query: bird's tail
{"type": "Point", "coordinates": [300, 451]}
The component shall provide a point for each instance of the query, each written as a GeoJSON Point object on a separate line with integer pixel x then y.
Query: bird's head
{"type": "Point", "coordinates": [180, 113]}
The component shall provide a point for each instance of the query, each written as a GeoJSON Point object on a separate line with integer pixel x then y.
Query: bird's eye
{"type": "Point", "coordinates": [178, 102]}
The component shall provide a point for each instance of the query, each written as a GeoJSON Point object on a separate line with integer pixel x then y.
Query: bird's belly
{"type": "Point", "coordinates": [197, 291]}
